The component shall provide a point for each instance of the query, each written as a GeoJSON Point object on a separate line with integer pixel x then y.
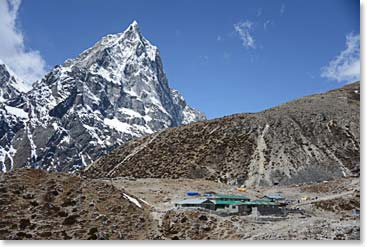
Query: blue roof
{"type": "Point", "coordinates": [192, 193]}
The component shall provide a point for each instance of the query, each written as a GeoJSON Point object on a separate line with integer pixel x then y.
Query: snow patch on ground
{"type": "Point", "coordinates": [144, 201]}
{"type": "Point", "coordinates": [133, 200]}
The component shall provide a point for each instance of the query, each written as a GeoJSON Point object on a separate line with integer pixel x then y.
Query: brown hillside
{"type": "Point", "coordinates": [35, 204]}
{"type": "Point", "coordinates": [310, 139]}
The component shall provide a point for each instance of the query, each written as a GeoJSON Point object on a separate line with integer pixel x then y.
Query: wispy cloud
{"type": "Point", "coordinates": [346, 66]}
{"type": "Point", "coordinates": [219, 38]}
{"type": "Point", "coordinates": [282, 9]}
{"type": "Point", "coordinates": [267, 23]}
{"type": "Point", "coordinates": [244, 30]}
{"type": "Point", "coordinates": [27, 64]}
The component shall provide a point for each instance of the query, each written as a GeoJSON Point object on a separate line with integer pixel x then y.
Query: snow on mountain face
{"type": "Point", "coordinates": [10, 85]}
{"type": "Point", "coordinates": [12, 117]}
{"type": "Point", "coordinates": [111, 93]}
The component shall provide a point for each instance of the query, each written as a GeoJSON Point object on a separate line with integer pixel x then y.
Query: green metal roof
{"type": "Point", "coordinates": [222, 202]}
{"type": "Point", "coordinates": [194, 201]}
{"type": "Point", "coordinates": [260, 202]}
{"type": "Point", "coordinates": [250, 203]}
{"type": "Point", "coordinates": [227, 196]}
{"type": "Point", "coordinates": [256, 202]}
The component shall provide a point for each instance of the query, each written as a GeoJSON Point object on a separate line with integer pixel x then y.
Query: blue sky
{"type": "Point", "coordinates": [225, 57]}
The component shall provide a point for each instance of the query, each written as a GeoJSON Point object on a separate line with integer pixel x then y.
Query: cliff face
{"type": "Point", "coordinates": [111, 93]}
{"type": "Point", "coordinates": [310, 139]}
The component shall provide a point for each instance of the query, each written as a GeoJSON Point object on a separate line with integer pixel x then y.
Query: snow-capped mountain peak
{"type": "Point", "coordinates": [124, 43]}
{"type": "Point", "coordinates": [134, 25]}
{"type": "Point", "coordinates": [111, 93]}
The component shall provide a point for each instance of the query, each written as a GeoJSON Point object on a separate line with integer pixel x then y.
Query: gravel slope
{"type": "Point", "coordinates": [310, 139]}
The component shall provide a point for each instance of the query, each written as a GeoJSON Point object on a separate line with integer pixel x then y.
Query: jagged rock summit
{"type": "Point", "coordinates": [10, 85]}
{"type": "Point", "coordinates": [111, 93]}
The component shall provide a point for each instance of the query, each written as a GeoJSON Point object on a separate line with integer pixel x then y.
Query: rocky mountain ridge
{"type": "Point", "coordinates": [311, 139]}
{"type": "Point", "coordinates": [111, 93]}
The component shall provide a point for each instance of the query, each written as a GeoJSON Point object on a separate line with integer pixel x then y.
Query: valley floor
{"type": "Point", "coordinates": [35, 204]}
{"type": "Point", "coordinates": [328, 210]}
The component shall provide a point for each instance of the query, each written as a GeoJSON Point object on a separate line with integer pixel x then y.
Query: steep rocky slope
{"type": "Point", "coordinates": [111, 93]}
{"type": "Point", "coordinates": [310, 139]}
{"type": "Point", "coordinates": [35, 204]}
{"type": "Point", "coordinates": [12, 118]}
{"type": "Point", "coordinates": [10, 85]}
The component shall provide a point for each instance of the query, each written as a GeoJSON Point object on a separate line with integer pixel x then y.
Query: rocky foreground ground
{"type": "Point", "coordinates": [39, 205]}
{"type": "Point", "coordinates": [35, 204]}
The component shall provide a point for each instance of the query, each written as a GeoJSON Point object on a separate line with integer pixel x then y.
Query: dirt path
{"type": "Point", "coordinates": [323, 198]}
